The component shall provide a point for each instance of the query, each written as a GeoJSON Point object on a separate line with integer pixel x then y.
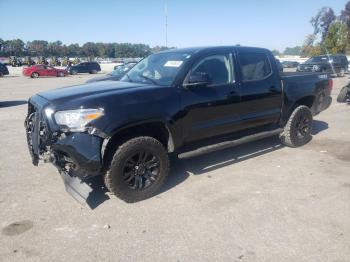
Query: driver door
{"type": "Point", "coordinates": [82, 68]}
{"type": "Point", "coordinates": [209, 110]}
{"type": "Point", "coordinates": [51, 71]}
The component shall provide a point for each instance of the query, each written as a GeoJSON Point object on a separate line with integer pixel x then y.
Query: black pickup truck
{"type": "Point", "coordinates": [184, 101]}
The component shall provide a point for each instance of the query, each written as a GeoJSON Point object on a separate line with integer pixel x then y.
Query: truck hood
{"type": "Point", "coordinates": [90, 89]}
{"type": "Point", "coordinates": [103, 78]}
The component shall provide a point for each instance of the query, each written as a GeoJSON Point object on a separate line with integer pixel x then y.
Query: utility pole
{"type": "Point", "coordinates": [166, 22]}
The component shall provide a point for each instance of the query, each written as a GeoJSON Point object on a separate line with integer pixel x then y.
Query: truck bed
{"type": "Point", "coordinates": [287, 74]}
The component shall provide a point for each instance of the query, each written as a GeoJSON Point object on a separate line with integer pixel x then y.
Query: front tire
{"type": "Point", "coordinates": [34, 75]}
{"type": "Point", "coordinates": [73, 72]}
{"type": "Point", "coordinates": [1, 74]}
{"type": "Point", "coordinates": [60, 74]}
{"type": "Point", "coordinates": [341, 73]}
{"type": "Point", "coordinates": [297, 131]}
{"type": "Point", "coordinates": [138, 170]}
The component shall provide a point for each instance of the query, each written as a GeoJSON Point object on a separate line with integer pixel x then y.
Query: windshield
{"type": "Point", "coordinates": [158, 69]}
{"type": "Point", "coordinates": [317, 59]}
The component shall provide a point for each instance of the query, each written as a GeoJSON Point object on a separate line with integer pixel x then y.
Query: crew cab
{"type": "Point", "coordinates": [184, 102]}
{"type": "Point", "coordinates": [36, 71]}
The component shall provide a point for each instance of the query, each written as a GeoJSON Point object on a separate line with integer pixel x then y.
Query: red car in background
{"type": "Point", "coordinates": [43, 70]}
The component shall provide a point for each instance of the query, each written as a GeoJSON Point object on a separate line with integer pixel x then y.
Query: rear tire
{"type": "Point", "coordinates": [297, 131]}
{"type": "Point", "coordinates": [343, 94]}
{"type": "Point", "coordinates": [73, 72]}
{"type": "Point", "coordinates": [138, 170]}
{"type": "Point", "coordinates": [1, 74]}
{"type": "Point", "coordinates": [60, 74]}
{"type": "Point", "coordinates": [34, 75]}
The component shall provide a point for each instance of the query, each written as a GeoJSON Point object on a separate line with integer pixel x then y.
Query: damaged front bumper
{"type": "Point", "coordinates": [77, 156]}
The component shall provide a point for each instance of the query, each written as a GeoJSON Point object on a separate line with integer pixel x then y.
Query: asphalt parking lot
{"type": "Point", "coordinates": [256, 202]}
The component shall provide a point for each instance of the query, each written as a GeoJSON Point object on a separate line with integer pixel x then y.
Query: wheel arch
{"type": "Point", "coordinates": [301, 101]}
{"type": "Point", "coordinates": [156, 129]}
{"type": "Point", "coordinates": [304, 101]}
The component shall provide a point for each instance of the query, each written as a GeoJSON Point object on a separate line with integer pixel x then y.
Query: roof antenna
{"type": "Point", "coordinates": [166, 22]}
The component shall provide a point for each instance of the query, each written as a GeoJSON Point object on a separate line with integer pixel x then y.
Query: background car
{"type": "Point", "coordinates": [290, 64]}
{"type": "Point", "coordinates": [115, 75]}
{"type": "Point", "coordinates": [85, 67]}
{"type": "Point", "coordinates": [3, 70]}
{"type": "Point", "coordinates": [43, 70]}
{"type": "Point", "coordinates": [331, 64]}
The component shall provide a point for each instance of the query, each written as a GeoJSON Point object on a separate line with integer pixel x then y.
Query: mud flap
{"type": "Point", "coordinates": [78, 189]}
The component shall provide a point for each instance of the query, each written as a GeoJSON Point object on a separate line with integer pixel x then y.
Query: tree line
{"type": "Point", "coordinates": [331, 34]}
{"type": "Point", "coordinates": [18, 47]}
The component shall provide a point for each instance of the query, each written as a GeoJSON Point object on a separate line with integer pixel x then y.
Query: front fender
{"type": "Point", "coordinates": [84, 150]}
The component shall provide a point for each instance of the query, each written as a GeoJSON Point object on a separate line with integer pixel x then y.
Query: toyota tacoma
{"type": "Point", "coordinates": [184, 102]}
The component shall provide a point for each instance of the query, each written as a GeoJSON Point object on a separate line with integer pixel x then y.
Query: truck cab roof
{"type": "Point", "coordinates": [193, 50]}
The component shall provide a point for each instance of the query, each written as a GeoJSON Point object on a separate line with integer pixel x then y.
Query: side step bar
{"type": "Point", "coordinates": [230, 143]}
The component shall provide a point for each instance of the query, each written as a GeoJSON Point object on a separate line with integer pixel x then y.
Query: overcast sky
{"type": "Point", "coordinates": [273, 24]}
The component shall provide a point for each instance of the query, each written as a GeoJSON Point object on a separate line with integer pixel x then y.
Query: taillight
{"type": "Point", "coordinates": [330, 85]}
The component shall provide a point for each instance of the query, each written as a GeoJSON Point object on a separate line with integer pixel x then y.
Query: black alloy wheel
{"type": "Point", "coordinates": [141, 170]}
{"type": "Point", "coordinates": [297, 131]}
{"type": "Point", "coordinates": [303, 126]}
{"type": "Point", "coordinates": [138, 169]}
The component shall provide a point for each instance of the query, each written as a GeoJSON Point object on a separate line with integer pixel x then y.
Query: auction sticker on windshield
{"type": "Point", "coordinates": [173, 63]}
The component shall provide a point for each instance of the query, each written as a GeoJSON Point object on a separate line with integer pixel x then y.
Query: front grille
{"type": "Point", "coordinates": [32, 131]}
{"type": "Point", "coordinates": [37, 133]}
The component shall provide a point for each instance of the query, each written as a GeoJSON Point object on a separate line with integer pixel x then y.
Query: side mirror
{"type": "Point", "coordinates": [197, 79]}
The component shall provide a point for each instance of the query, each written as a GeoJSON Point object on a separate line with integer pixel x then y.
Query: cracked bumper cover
{"type": "Point", "coordinates": [77, 156]}
{"type": "Point", "coordinates": [85, 152]}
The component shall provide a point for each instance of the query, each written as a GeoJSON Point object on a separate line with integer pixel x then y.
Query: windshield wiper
{"type": "Point", "coordinates": [148, 78]}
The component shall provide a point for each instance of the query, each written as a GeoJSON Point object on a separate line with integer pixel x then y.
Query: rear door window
{"type": "Point", "coordinates": [344, 59]}
{"type": "Point", "coordinates": [336, 59]}
{"type": "Point", "coordinates": [254, 66]}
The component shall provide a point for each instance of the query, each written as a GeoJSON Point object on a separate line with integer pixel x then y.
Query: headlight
{"type": "Point", "coordinates": [76, 120]}
{"type": "Point", "coordinates": [316, 68]}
